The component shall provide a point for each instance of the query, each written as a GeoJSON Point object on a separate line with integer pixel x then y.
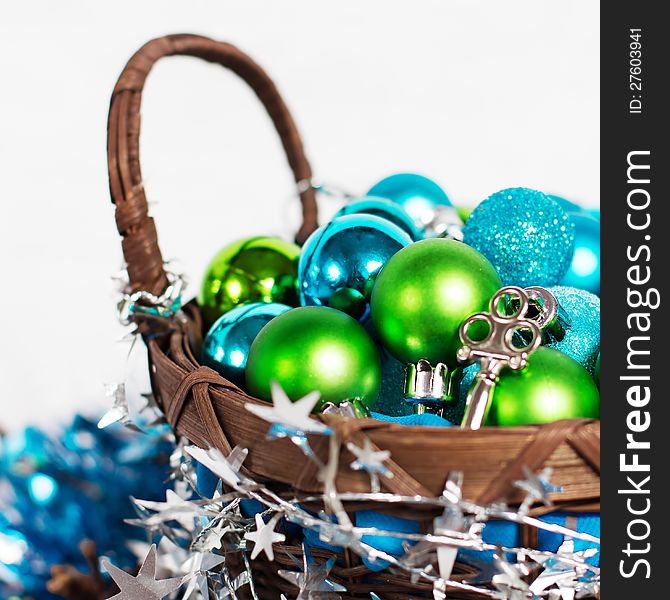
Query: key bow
{"type": "Point", "coordinates": [509, 339]}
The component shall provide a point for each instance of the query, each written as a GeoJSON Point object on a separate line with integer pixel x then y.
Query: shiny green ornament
{"type": "Point", "coordinates": [552, 386]}
{"type": "Point", "coordinates": [596, 375]}
{"type": "Point", "coordinates": [315, 348]}
{"type": "Point", "coordinates": [424, 293]}
{"type": "Point", "coordinates": [255, 269]}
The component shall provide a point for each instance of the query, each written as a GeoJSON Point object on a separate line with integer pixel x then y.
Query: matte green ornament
{"type": "Point", "coordinates": [315, 348]}
{"type": "Point", "coordinates": [255, 269]}
{"type": "Point", "coordinates": [552, 386]}
{"type": "Point", "coordinates": [424, 293]}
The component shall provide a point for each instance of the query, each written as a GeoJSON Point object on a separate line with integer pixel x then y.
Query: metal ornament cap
{"type": "Point", "coordinates": [546, 311]}
{"type": "Point", "coordinates": [425, 382]}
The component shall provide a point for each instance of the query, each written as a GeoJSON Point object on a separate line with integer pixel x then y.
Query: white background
{"type": "Point", "coordinates": [477, 95]}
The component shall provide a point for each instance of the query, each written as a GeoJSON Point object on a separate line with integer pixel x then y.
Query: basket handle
{"type": "Point", "coordinates": [137, 228]}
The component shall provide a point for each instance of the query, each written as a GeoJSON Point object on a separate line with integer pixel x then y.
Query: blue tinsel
{"type": "Point", "coordinates": [57, 491]}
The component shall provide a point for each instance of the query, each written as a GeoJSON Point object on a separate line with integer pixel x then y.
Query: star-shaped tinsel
{"type": "Point", "coordinates": [452, 519]}
{"type": "Point", "coordinates": [119, 413]}
{"type": "Point", "coordinates": [144, 585]}
{"type": "Point", "coordinates": [211, 537]}
{"type": "Point", "coordinates": [567, 570]}
{"type": "Point", "coordinates": [371, 461]}
{"type": "Point", "coordinates": [537, 487]}
{"type": "Point", "coordinates": [289, 419]}
{"type": "Point", "coordinates": [509, 580]}
{"type": "Point", "coordinates": [313, 581]}
{"type": "Point", "coordinates": [198, 567]}
{"type": "Point", "coordinates": [174, 508]}
{"type": "Point", "coordinates": [264, 537]}
{"type": "Point", "coordinates": [224, 468]}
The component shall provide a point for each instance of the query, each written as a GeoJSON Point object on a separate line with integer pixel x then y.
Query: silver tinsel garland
{"type": "Point", "coordinates": [199, 534]}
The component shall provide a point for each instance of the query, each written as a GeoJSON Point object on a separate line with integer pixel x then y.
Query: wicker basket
{"type": "Point", "coordinates": [209, 410]}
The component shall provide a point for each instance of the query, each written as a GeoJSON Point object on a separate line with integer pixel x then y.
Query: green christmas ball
{"type": "Point", "coordinates": [553, 386]}
{"type": "Point", "coordinates": [255, 269]}
{"type": "Point", "coordinates": [596, 375]}
{"type": "Point", "coordinates": [423, 294]}
{"type": "Point", "coordinates": [315, 348]}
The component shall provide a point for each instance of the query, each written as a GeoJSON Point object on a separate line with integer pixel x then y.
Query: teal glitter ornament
{"type": "Point", "coordinates": [454, 410]}
{"type": "Point", "coordinates": [584, 271]}
{"type": "Point", "coordinates": [226, 346]}
{"type": "Point", "coordinates": [582, 338]}
{"type": "Point", "coordinates": [421, 198]}
{"type": "Point", "coordinates": [391, 399]}
{"type": "Point", "coordinates": [384, 208]}
{"type": "Point", "coordinates": [339, 261]}
{"type": "Point", "coordinates": [528, 237]}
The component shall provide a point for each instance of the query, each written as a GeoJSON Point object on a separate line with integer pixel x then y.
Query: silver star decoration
{"type": "Point", "coordinates": [313, 582]}
{"type": "Point", "coordinates": [182, 472]}
{"type": "Point", "coordinates": [144, 586]}
{"type": "Point", "coordinates": [537, 487]}
{"type": "Point", "coordinates": [288, 418]}
{"type": "Point", "coordinates": [225, 469]}
{"type": "Point", "coordinates": [452, 519]}
{"type": "Point", "coordinates": [174, 508]}
{"type": "Point", "coordinates": [198, 566]}
{"type": "Point", "coordinates": [211, 537]}
{"type": "Point", "coordinates": [119, 413]}
{"type": "Point", "coordinates": [564, 570]}
{"type": "Point", "coordinates": [264, 537]}
{"type": "Point", "coordinates": [372, 461]}
{"type": "Point", "coordinates": [170, 556]}
{"type": "Point", "coordinates": [509, 579]}
{"type": "Point", "coordinates": [167, 305]}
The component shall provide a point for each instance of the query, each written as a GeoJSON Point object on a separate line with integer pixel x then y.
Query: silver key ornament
{"type": "Point", "coordinates": [513, 330]}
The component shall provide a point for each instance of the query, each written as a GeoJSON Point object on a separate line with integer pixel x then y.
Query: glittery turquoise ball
{"type": "Point", "coordinates": [582, 337]}
{"type": "Point", "coordinates": [391, 399]}
{"type": "Point", "coordinates": [527, 236]}
{"type": "Point", "coordinates": [455, 409]}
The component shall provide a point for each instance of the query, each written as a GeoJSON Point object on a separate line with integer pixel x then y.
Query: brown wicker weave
{"type": "Point", "coordinates": [209, 410]}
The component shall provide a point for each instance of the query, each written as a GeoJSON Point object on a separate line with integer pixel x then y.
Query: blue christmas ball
{"type": "Point", "coordinates": [527, 236]}
{"type": "Point", "coordinates": [340, 261]}
{"type": "Point", "coordinates": [419, 196]}
{"type": "Point", "coordinates": [568, 206]}
{"type": "Point", "coordinates": [582, 338]}
{"type": "Point", "coordinates": [574, 208]}
{"type": "Point", "coordinates": [384, 208]}
{"type": "Point", "coordinates": [584, 271]}
{"type": "Point", "coordinates": [226, 346]}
